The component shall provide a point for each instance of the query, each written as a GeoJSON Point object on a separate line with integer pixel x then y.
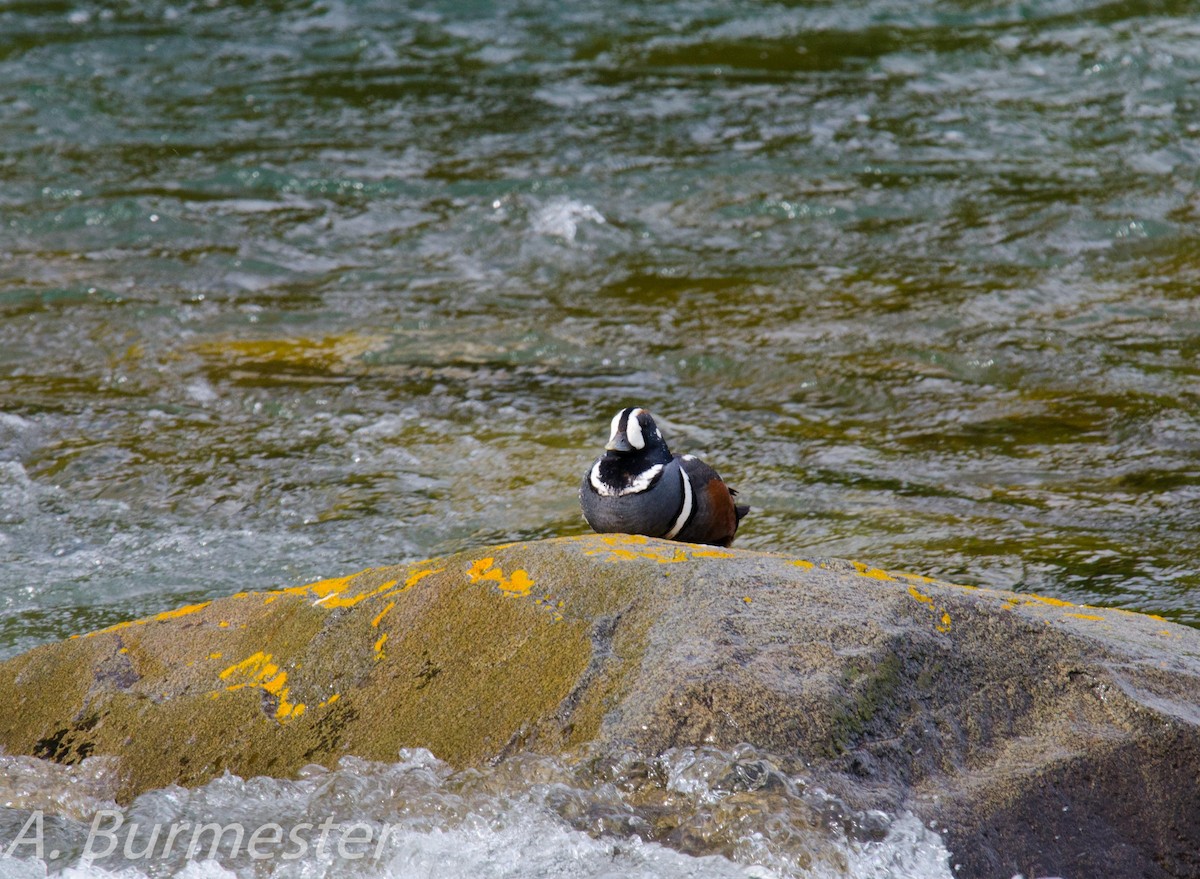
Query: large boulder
{"type": "Point", "coordinates": [1040, 737]}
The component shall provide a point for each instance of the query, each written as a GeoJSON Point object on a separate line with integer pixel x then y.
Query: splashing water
{"type": "Point", "coordinates": [695, 813]}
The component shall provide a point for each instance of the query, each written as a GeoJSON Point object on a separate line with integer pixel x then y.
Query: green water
{"type": "Point", "coordinates": [288, 289]}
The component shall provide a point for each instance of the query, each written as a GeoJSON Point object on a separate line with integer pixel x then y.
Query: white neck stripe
{"type": "Point", "coordinates": [685, 511]}
{"type": "Point", "coordinates": [639, 484]}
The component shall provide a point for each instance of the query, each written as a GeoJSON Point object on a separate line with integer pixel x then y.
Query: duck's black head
{"type": "Point", "coordinates": [633, 459]}
{"type": "Point", "coordinates": [634, 434]}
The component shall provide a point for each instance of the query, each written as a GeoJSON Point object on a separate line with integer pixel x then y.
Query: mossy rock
{"type": "Point", "coordinates": [1042, 737]}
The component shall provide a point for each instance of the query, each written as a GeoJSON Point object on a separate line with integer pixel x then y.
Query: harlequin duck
{"type": "Point", "coordinates": [638, 487]}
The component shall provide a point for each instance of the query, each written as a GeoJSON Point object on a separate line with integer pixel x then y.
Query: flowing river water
{"type": "Point", "coordinates": [293, 288]}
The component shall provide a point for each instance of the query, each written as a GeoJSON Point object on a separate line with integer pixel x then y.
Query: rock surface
{"type": "Point", "coordinates": [1043, 738]}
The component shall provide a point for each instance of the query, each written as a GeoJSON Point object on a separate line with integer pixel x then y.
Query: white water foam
{"type": "Point", "coordinates": [689, 814]}
{"type": "Point", "coordinates": [561, 217]}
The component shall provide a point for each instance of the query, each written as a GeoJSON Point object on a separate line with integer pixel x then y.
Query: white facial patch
{"type": "Point", "coordinates": [616, 427]}
{"type": "Point", "coordinates": [685, 511]}
{"type": "Point", "coordinates": [639, 484]}
{"type": "Point", "coordinates": [633, 430]}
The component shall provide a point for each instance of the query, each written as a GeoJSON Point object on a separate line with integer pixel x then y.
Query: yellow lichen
{"type": "Point", "coordinates": [334, 592]}
{"type": "Point", "coordinates": [518, 583]}
{"type": "Point", "coordinates": [635, 547]}
{"type": "Point", "coordinates": [258, 671]}
{"type": "Point", "coordinates": [943, 623]}
{"type": "Point", "coordinates": [379, 616]}
{"type": "Point", "coordinates": [481, 569]}
{"type": "Point", "coordinates": [157, 618]}
{"type": "Point", "coordinates": [351, 600]}
{"type": "Point", "coordinates": [614, 539]}
{"type": "Point", "coordinates": [414, 579]}
{"type": "Point", "coordinates": [180, 612]}
{"type": "Point", "coordinates": [1053, 602]}
{"type": "Point", "coordinates": [250, 662]}
{"type": "Point", "coordinates": [485, 570]}
{"type": "Point", "coordinates": [616, 553]}
{"type": "Point", "coordinates": [323, 588]}
{"type": "Point", "coordinates": [919, 595]}
{"type": "Point", "coordinates": [873, 573]}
